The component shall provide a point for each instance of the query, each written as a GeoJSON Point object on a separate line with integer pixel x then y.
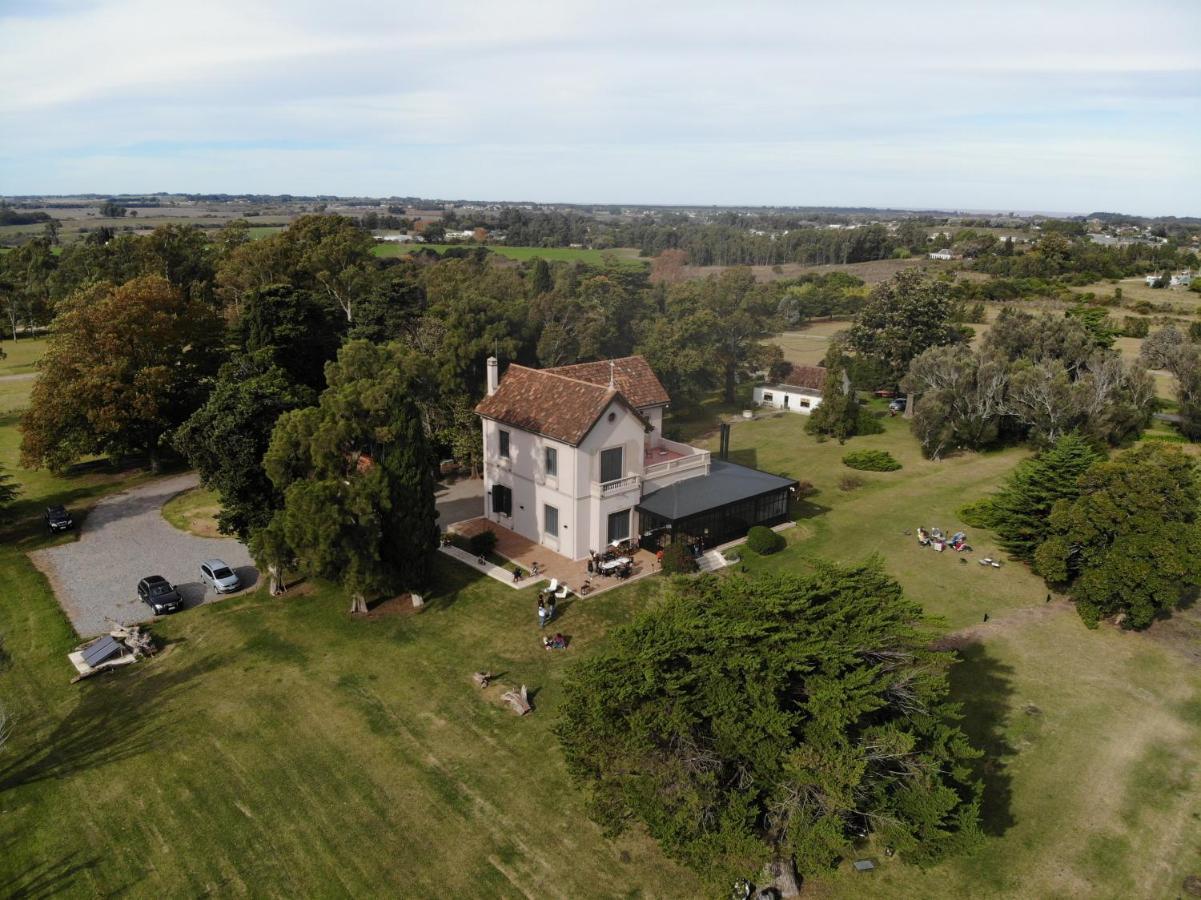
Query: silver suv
{"type": "Point", "coordinates": [221, 577]}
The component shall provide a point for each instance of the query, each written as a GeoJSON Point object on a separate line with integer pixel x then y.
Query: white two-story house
{"type": "Point", "coordinates": [575, 459]}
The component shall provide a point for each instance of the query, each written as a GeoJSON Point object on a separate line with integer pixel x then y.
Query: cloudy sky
{"type": "Point", "coordinates": [1051, 105]}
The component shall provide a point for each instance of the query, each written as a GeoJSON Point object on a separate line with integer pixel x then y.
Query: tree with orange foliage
{"type": "Point", "coordinates": [123, 366]}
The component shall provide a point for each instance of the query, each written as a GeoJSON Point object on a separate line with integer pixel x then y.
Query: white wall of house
{"type": "Point", "coordinates": [582, 512]}
{"type": "Point", "coordinates": [787, 397]}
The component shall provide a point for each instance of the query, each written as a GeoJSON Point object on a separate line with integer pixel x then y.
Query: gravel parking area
{"type": "Point", "coordinates": [123, 539]}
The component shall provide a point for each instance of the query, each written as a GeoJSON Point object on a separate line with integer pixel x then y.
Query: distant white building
{"type": "Point", "coordinates": [395, 238]}
{"type": "Point", "coordinates": [1184, 279]}
{"type": "Point", "coordinates": [799, 391]}
{"type": "Point", "coordinates": [942, 254]}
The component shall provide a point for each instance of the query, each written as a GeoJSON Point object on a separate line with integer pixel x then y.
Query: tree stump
{"type": "Point", "coordinates": [418, 601]}
{"type": "Point", "coordinates": [358, 604]}
{"type": "Point", "coordinates": [781, 875]}
{"type": "Point", "coordinates": [520, 701]}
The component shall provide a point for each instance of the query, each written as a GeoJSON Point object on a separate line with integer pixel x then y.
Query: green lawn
{"type": "Point", "coordinates": [624, 256]}
{"type": "Point", "coordinates": [195, 511]}
{"type": "Point", "coordinates": [20, 355]}
{"type": "Point", "coordinates": [1094, 736]}
{"type": "Point", "coordinates": [280, 748]}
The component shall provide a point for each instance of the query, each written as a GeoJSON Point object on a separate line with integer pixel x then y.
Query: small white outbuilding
{"type": "Point", "coordinates": [799, 391]}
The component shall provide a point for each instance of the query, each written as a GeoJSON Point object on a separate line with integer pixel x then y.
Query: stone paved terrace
{"type": "Point", "coordinates": [521, 550]}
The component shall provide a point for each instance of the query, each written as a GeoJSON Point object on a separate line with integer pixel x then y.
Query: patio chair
{"type": "Point", "coordinates": [562, 593]}
{"type": "Point", "coordinates": [553, 586]}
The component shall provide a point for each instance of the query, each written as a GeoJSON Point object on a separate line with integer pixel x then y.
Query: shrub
{"type": "Point", "coordinates": [849, 482]}
{"type": "Point", "coordinates": [870, 422]}
{"type": "Point", "coordinates": [1134, 327]}
{"type": "Point", "coordinates": [871, 461]}
{"type": "Point", "coordinates": [979, 513]}
{"type": "Point", "coordinates": [483, 543]}
{"type": "Point", "coordinates": [804, 490]}
{"type": "Point", "coordinates": [678, 560]}
{"type": "Point", "coordinates": [763, 540]}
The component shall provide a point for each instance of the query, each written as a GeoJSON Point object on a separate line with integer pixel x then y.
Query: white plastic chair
{"type": "Point", "coordinates": [561, 593]}
{"type": "Point", "coordinates": [554, 584]}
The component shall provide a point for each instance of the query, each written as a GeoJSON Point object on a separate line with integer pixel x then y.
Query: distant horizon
{"type": "Point", "coordinates": [1077, 105]}
{"type": "Point", "coordinates": [448, 199]}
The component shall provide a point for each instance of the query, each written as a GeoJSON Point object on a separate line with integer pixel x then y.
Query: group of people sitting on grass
{"type": "Point", "coordinates": [557, 642]}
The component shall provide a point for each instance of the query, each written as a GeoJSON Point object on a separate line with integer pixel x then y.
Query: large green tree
{"type": "Point", "coordinates": [123, 367]}
{"type": "Point", "coordinates": [903, 317]}
{"type": "Point", "coordinates": [356, 472]}
{"type": "Point", "coordinates": [1130, 543]}
{"type": "Point", "coordinates": [743, 721]}
{"type": "Point", "coordinates": [226, 438]}
{"type": "Point", "coordinates": [838, 414]}
{"type": "Point", "coordinates": [299, 331]}
{"type": "Point", "coordinates": [1018, 512]}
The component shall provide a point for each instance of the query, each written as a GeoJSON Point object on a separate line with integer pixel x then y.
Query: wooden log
{"type": "Point", "coordinates": [520, 701]}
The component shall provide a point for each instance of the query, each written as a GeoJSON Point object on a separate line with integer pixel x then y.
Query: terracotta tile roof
{"type": "Point", "coordinates": [632, 375]}
{"type": "Point", "coordinates": [551, 404]}
{"type": "Point", "coordinates": [811, 377]}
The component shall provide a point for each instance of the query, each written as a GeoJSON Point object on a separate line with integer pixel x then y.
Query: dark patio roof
{"type": "Point", "coordinates": [726, 483]}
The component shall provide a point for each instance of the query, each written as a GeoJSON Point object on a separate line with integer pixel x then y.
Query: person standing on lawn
{"type": "Point", "coordinates": [542, 613]}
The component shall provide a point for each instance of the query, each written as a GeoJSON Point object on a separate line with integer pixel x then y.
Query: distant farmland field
{"type": "Point", "coordinates": [625, 256]}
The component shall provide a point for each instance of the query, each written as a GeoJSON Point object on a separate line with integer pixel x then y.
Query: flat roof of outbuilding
{"type": "Point", "coordinates": [726, 483]}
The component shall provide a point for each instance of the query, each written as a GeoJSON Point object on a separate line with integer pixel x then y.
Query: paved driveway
{"type": "Point", "coordinates": [125, 538]}
{"type": "Point", "coordinates": [459, 500]}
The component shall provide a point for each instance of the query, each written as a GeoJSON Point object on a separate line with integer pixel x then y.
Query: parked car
{"type": "Point", "coordinates": [58, 519]}
{"type": "Point", "coordinates": [157, 593]}
{"type": "Point", "coordinates": [897, 405]}
{"type": "Point", "coordinates": [220, 576]}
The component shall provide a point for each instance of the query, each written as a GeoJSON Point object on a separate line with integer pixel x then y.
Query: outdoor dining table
{"type": "Point", "coordinates": [614, 564]}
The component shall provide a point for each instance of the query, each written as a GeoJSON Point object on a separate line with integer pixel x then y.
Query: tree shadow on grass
{"type": "Point", "coordinates": [116, 719]}
{"type": "Point", "coordinates": [984, 687]}
{"type": "Point", "coordinates": [44, 879]}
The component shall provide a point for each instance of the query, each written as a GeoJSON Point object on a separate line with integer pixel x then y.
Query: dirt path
{"type": "Point", "coordinates": [22, 376]}
{"type": "Point", "coordinates": [1004, 623]}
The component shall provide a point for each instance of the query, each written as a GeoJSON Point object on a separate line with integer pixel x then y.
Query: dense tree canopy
{"type": "Point", "coordinates": [1130, 542]}
{"type": "Point", "coordinates": [902, 318]}
{"type": "Point", "coordinates": [226, 438]}
{"type": "Point", "coordinates": [356, 472]}
{"type": "Point", "coordinates": [123, 367]}
{"type": "Point", "coordinates": [746, 720]}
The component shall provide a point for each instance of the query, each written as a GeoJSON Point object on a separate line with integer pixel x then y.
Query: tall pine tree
{"type": "Point", "coordinates": [837, 415]}
{"type": "Point", "coordinates": [1019, 511]}
{"type": "Point", "coordinates": [356, 472]}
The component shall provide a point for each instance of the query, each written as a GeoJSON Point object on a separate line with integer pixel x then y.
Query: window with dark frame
{"type": "Point", "coordinates": [502, 500]}
{"type": "Point", "coordinates": [550, 520]}
{"type": "Point", "coordinates": [552, 461]}
{"type": "Point", "coordinates": [504, 444]}
{"type": "Point", "coordinates": [612, 464]}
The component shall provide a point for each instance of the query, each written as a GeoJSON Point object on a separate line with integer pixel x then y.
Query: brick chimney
{"type": "Point", "coordinates": [493, 375]}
